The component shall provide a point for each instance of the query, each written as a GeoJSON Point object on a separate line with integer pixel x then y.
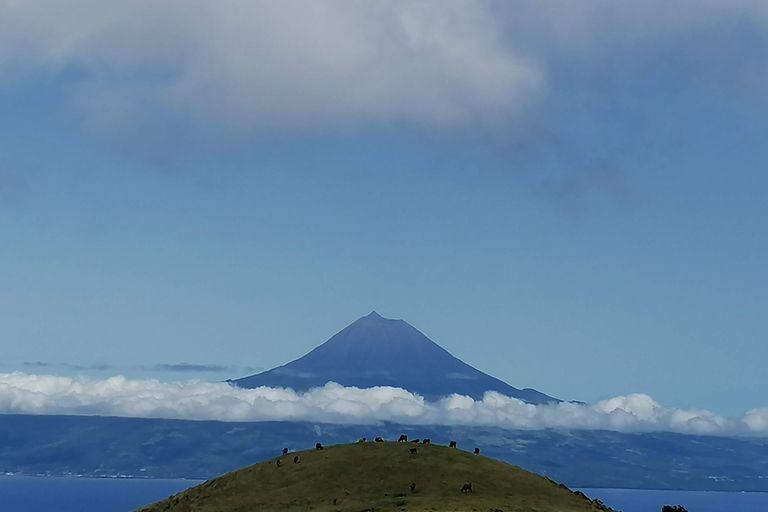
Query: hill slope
{"type": "Point", "coordinates": [376, 351]}
{"type": "Point", "coordinates": [375, 477]}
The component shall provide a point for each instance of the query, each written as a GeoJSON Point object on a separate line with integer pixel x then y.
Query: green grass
{"type": "Point", "coordinates": [375, 477]}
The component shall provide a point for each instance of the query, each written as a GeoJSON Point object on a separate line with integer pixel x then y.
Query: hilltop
{"type": "Point", "coordinates": [375, 476]}
{"type": "Point", "coordinates": [377, 351]}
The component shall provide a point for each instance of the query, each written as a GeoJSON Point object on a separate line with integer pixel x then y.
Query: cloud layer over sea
{"type": "Point", "coordinates": [22, 393]}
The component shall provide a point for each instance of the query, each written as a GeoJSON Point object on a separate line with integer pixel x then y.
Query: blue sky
{"type": "Point", "coordinates": [568, 196]}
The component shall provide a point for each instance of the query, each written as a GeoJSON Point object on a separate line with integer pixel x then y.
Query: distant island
{"type": "Point", "coordinates": [379, 476]}
{"type": "Point", "coordinates": [376, 351]}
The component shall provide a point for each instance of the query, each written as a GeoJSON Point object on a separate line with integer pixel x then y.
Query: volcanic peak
{"type": "Point", "coordinates": [377, 351]}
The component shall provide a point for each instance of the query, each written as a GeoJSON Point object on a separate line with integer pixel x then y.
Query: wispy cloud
{"type": "Point", "coordinates": [22, 393]}
{"type": "Point", "coordinates": [232, 370]}
{"type": "Point", "coordinates": [69, 366]}
{"type": "Point", "coordinates": [202, 368]}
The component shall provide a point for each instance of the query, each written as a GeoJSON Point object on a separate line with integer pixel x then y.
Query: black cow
{"type": "Point", "coordinates": [285, 451]}
{"type": "Point", "coordinates": [412, 487]}
{"type": "Point", "coordinates": [318, 446]}
{"type": "Point", "coordinates": [413, 450]}
{"type": "Point", "coordinates": [477, 451]}
{"type": "Point", "coordinates": [416, 440]}
{"type": "Point", "coordinates": [466, 487]}
{"type": "Point", "coordinates": [379, 440]}
{"type": "Point", "coordinates": [452, 444]}
{"type": "Point", "coordinates": [402, 439]}
{"type": "Point", "coordinates": [279, 463]}
{"type": "Point", "coordinates": [361, 440]}
{"type": "Point", "coordinates": [296, 459]}
{"type": "Point", "coordinates": [426, 441]}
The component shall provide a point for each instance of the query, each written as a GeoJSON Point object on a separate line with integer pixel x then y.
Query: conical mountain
{"type": "Point", "coordinates": [376, 351]}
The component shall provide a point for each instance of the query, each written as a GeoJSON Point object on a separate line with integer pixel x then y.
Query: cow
{"type": "Point", "coordinates": [285, 451]}
{"type": "Point", "coordinates": [466, 487]}
{"type": "Point", "coordinates": [415, 441]}
{"type": "Point", "coordinates": [318, 446]}
{"type": "Point", "coordinates": [296, 459]}
{"type": "Point", "coordinates": [361, 440]}
{"type": "Point", "coordinates": [379, 440]}
{"type": "Point", "coordinates": [413, 450]}
{"type": "Point", "coordinates": [477, 451]}
{"type": "Point", "coordinates": [452, 444]}
{"type": "Point", "coordinates": [402, 439]}
{"type": "Point", "coordinates": [412, 486]}
{"type": "Point", "coordinates": [426, 441]}
{"type": "Point", "coordinates": [279, 463]}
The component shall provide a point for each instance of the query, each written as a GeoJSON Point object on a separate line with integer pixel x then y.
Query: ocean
{"type": "Point", "coordinates": [41, 494]}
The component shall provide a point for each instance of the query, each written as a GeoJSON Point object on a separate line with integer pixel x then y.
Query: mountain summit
{"type": "Point", "coordinates": [376, 351]}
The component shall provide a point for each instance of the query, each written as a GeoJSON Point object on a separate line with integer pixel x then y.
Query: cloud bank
{"type": "Point", "coordinates": [22, 393]}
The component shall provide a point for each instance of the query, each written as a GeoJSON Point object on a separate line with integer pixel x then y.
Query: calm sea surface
{"type": "Point", "coordinates": [30, 494]}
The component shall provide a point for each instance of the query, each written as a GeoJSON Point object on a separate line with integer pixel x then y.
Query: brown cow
{"type": "Point", "coordinates": [402, 439]}
{"type": "Point", "coordinates": [466, 487]}
{"type": "Point", "coordinates": [477, 451]}
{"type": "Point", "coordinates": [452, 444]}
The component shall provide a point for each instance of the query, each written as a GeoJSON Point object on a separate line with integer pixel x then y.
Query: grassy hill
{"type": "Point", "coordinates": [376, 477]}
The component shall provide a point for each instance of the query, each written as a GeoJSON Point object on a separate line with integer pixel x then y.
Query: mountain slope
{"type": "Point", "coordinates": [376, 351]}
{"type": "Point", "coordinates": [376, 476]}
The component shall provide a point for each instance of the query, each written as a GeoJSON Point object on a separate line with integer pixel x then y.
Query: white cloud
{"type": "Point", "coordinates": [22, 393]}
{"type": "Point", "coordinates": [139, 68]}
{"type": "Point", "coordinates": [251, 65]}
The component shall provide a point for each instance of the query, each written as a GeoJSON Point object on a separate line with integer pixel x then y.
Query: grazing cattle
{"type": "Point", "coordinates": [416, 440]}
{"type": "Point", "coordinates": [466, 487]}
{"type": "Point", "coordinates": [335, 501]}
{"type": "Point", "coordinates": [452, 444]}
{"type": "Point", "coordinates": [285, 451]}
{"type": "Point", "coordinates": [414, 450]}
{"type": "Point", "coordinates": [296, 459]}
{"type": "Point", "coordinates": [379, 440]}
{"type": "Point", "coordinates": [318, 446]}
{"type": "Point", "coordinates": [402, 439]}
{"type": "Point", "coordinates": [279, 463]}
{"type": "Point", "coordinates": [361, 440]}
{"type": "Point", "coordinates": [477, 451]}
{"type": "Point", "coordinates": [412, 487]}
{"type": "Point", "coordinates": [426, 441]}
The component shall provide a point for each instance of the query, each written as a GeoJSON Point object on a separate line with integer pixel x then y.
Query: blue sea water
{"type": "Point", "coordinates": [39, 494]}
{"type": "Point", "coordinates": [49, 494]}
{"type": "Point", "coordinates": [641, 500]}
